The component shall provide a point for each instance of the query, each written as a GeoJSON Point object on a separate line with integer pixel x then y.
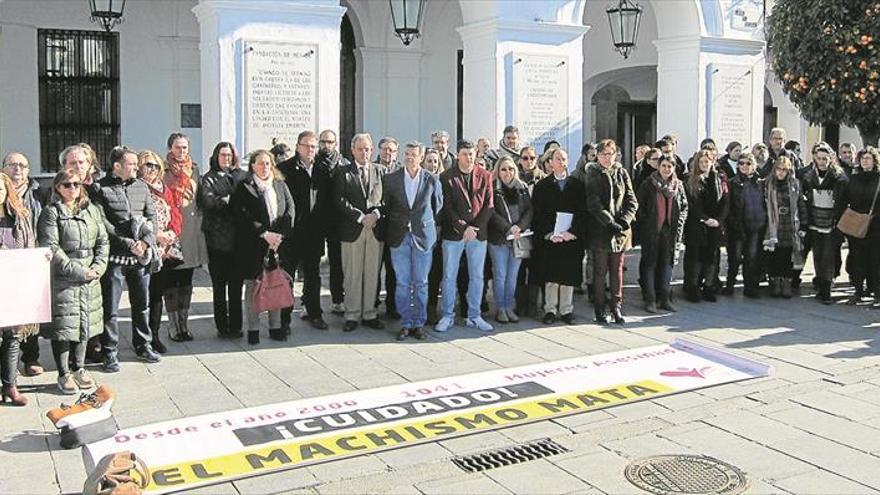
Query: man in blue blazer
{"type": "Point", "coordinates": [412, 198]}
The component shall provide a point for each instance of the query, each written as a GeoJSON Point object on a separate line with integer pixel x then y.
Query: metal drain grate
{"type": "Point", "coordinates": [507, 456]}
{"type": "Point", "coordinates": [690, 474]}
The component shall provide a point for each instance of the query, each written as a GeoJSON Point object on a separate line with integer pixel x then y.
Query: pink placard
{"type": "Point", "coordinates": [25, 286]}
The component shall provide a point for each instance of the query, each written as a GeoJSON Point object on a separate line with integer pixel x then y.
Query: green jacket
{"type": "Point", "coordinates": [79, 243]}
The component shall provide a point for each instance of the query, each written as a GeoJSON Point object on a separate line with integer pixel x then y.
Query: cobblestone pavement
{"type": "Point", "coordinates": [813, 427]}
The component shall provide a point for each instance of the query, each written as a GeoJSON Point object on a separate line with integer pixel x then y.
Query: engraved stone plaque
{"type": "Point", "coordinates": [540, 94]}
{"type": "Point", "coordinates": [280, 91]}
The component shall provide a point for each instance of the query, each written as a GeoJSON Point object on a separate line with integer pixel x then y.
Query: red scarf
{"type": "Point", "coordinates": [179, 178]}
{"type": "Point", "coordinates": [665, 196]}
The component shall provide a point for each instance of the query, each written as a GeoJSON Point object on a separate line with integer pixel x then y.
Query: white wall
{"type": "Point", "coordinates": [158, 69]}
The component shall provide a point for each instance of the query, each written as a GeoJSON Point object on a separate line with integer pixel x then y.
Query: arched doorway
{"type": "Point", "coordinates": [347, 86]}
{"type": "Point", "coordinates": [770, 113]}
{"type": "Point", "coordinates": [624, 108]}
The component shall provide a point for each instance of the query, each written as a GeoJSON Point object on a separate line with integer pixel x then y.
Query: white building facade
{"type": "Point", "coordinates": [247, 71]}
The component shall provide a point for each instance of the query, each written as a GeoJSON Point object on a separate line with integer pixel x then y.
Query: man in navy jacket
{"type": "Point", "coordinates": [412, 198]}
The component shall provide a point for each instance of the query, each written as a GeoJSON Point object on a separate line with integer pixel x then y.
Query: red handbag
{"type": "Point", "coordinates": [274, 288]}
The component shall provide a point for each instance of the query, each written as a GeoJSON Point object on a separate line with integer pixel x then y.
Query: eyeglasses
{"type": "Point", "coordinates": [70, 185]}
{"type": "Point", "coordinates": [151, 165]}
{"type": "Point", "coordinates": [22, 166]}
{"type": "Point", "coordinates": [528, 158]}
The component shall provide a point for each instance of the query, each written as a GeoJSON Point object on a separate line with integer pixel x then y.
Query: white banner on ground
{"type": "Point", "coordinates": [26, 297]}
{"type": "Point", "coordinates": [189, 452]}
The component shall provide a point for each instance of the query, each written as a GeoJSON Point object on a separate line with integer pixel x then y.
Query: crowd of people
{"type": "Point", "coordinates": [441, 224]}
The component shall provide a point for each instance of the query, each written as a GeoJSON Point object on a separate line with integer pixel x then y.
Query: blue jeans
{"type": "Point", "coordinates": [505, 268]}
{"type": "Point", "coordinates": [137, 278]}
{"type": "Point", "coordinates": [411, 267]}
{"type": "Point", "coordinates": [476, 258]}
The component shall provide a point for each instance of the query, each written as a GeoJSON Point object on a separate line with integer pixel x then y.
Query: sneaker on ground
{"type": "Point", "coordinates": [82, 379]}
{"type": "Point", "coordinates": [147, 354]}
{"type": "Point", "coordinates": [444, 324]}
{"type": "Point", "coordinates": [111, 365]}
{"type": "Point", "coordinates": [337, 308]}
{"type": "Point", "coordinates": [66, 385]}
{"type": "Point", "coordinates": [479, 323]}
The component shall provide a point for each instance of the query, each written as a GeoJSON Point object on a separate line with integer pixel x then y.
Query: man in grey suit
{"type": "Point", "coordinates": [412, 198]}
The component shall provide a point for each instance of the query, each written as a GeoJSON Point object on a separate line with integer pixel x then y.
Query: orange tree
{"type": "Point", "coordinates": [826, 54]}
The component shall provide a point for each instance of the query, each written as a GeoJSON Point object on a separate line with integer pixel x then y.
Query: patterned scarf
{"type": "Point", "coordinates": [771, 236]}
{"type": "Point", "coordinates": [179, 178]}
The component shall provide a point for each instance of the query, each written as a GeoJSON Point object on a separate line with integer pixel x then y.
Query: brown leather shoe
{"type": "Point", "coordinates": [419, 333]}
{"type": "Point", "coordinates": [402, 335]}
{"type": "Point", "coordinates": [121, 473]}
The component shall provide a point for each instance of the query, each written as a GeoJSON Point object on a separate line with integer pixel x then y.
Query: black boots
{"type": "Point", "coordinates": [823, 293]}
{"type": "Point", "coordinates": [278, 334]}
{"type": "Point", "coordinates": [253, 337]}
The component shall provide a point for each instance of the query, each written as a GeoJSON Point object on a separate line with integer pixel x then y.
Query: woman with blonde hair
{"type": "Point", "coordinates": [786, 226]}
{"type": "Point", "coordinates": [16, 232]}
{"type": "Point", "coordinates": [512, 216]}
{"type": "Point", "coordinates": [263, 210]}
{"type": "Point", "coordinates": [73, 229]}
{"type": "Point", "coordinates": [151, 169]}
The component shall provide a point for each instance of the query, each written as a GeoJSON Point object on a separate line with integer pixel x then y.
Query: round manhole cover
{"type": "Point", "coordinates": [685, 474]}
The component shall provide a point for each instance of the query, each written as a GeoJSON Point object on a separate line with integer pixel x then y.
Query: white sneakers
{"type": "Point", "coordinates": [479, 323]}
{"type": "Point", "coordinates": [444, 324]}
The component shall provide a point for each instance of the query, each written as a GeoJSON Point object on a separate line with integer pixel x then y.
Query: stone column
{"type": "Point", "coordinates": [291, 51]}
{"type": "Point", "coordinates": [710, 87]}
{"type": "Point", "coordinates": [527, 73]}
{"type": "Point", "coordinates": [392, 81]}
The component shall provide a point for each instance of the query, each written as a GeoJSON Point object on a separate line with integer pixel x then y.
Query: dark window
{"type": "Point", "coordinates": [190, 115]}
{"type": "Point", "coordinates": [79, 91]}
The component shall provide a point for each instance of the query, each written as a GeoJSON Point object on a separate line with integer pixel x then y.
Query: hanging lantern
{"type": "Point", "coordinates": [107, 12]}
{"type": "Point", "coordinates": [406, 15]}
{"type": "Point", "coordinates": [624, 20]}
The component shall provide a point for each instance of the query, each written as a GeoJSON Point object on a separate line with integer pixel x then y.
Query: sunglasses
{"type": "Point", "coordinates": [528, 158]}
{"type": "Point", "coordinates": [744, 163]}
{"type": "Point", "coordinates": [152, 165]}
{"type": "Point", "coordinates": [70, 185]}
